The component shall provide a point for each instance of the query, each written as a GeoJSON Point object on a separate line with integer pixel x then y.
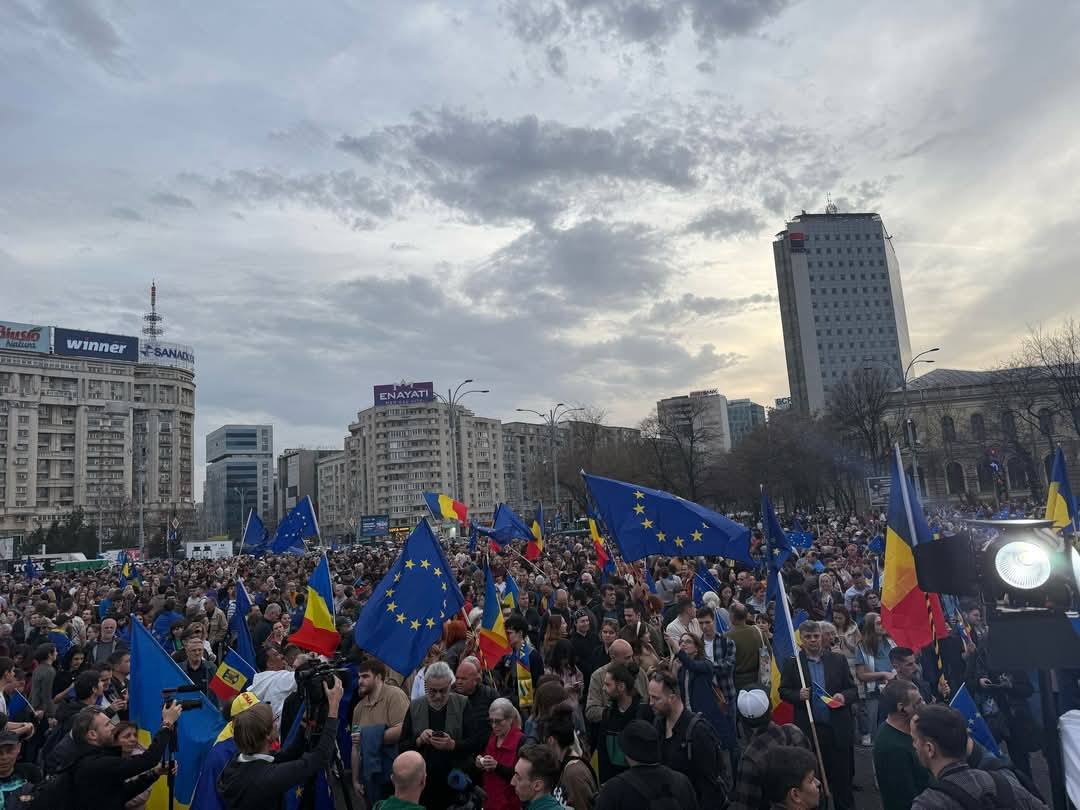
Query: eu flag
{"type": "Point", "coordinates": [299, 524]}
{"type": "Point", "coordinates": [405, 614]}
{"type": "Point", "coordinates": [238, 626]}
{"type": "Point", "coordinates": [256, 537]}
{"type": "Point", "coordinates": [61, 640]}
{"type": "Point", "coordinates": [977, 728]}
{"type": "Point", "coordinates": [776, 541]}
{"type": "Point", "coordinates": [476, 532]}
{"type": "Point", "coordinates": [798, 537]}
{"type": "Point", "coordinates": [508, 526]}
{"type": "Point", "coordinates": [650, 582]}
{"type": "Point", "coordinates": [152, 670]}
{"type": "Point", "coordinates": [704, 582]}
{"type": "Point", "coordinates": [646, 521]}
{"type": "Point", "coordinates": [19, 707]}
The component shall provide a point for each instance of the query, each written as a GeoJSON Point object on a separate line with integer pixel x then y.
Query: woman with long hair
{"type": "Point", "coordinates": [563, 662]}
{"type": "Point", "coordinates": [555, 631]}
{"type": "Point", "coordinates": [496, 763]}
{"type": "Point", "coordinates": [73, 662]}
{"type": "Point", "coordinates": [873, 669]}
{"type": "Point", "coordinates": [698, 686]}
{"type": "Point", "coordinates": [848, 636]}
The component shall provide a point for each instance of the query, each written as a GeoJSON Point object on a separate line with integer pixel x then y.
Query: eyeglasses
{"type": "Point", "coordinates": [495, 720]}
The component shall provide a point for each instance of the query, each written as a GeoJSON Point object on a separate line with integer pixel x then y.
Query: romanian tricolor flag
{"type": "Point", "coordinates": [443, 507]}
{"type": "Point", "coordinates": [511, 595]}
{"type": "Point", "coordinates": [783, 648]}
{"type": "Point", "coordinates": [603, 559]}
{"type": "Point", "coordinates": [904, 605]}
{"type": "Point", "coordinates": [318, 632]}
{"type": "Point", "coordinates": [1060, 503]}
{"type": "Point", "coordinates": [494, 645]}
{"type": "Point", "coordinates": [232, 677]}
{"type": "Point", "coordinates": [536, 542]}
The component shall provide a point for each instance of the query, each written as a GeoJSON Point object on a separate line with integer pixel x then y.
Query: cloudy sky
{"type": "Point", "coordinates": [568, 200]}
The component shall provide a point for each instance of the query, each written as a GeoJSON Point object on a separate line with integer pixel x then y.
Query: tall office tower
{"type": "Point", "coordinates": [239, 477]}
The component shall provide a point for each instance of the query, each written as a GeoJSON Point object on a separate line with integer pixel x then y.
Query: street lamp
{"type": "Point", "coordinates": [552, 418]}
{"type": "Point", "coordinates": [451, 401]}
{"type": "Point", "coordinates": [905, 420]}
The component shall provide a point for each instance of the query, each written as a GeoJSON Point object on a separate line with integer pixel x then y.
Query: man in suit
{"type": "Point", "coordinates": [826, 676]}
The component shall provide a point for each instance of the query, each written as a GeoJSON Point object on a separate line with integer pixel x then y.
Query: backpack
{"type": "Point", "coordinates": [712, 774]}
{"type": "Point", "coordinates": [657, 795]}
{"type": "Point", "coordinates": [55, 792]}
{"type": "Point", "coordinates": [1001, 799]}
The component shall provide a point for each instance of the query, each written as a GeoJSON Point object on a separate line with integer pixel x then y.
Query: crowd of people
{"type": "Point", "coordinates": [635, 687]}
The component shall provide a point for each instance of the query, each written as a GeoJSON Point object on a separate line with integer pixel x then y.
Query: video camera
{"type": "Point", "coordinates": [310, 679]}
{"type": "Point", "coordinates": [470, 796]}
{"type": "Point", "coordinates": [169, 695]}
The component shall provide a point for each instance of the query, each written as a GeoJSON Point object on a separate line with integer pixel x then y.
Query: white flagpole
{"type": "Point", "coordinates": [247, 522]}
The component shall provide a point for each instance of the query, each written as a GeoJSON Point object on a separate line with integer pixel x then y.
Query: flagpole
{"type": "Point", "coordinates": [914, 540]}
{"type": "Point", "coordinates": [782, 598]}
{"type": "Point", "coordinates": [243, 535]}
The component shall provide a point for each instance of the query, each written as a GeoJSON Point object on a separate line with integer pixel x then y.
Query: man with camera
{"type": "Point", "coordinates": [257, 780]}
{"type": "Point", "coordinates": [435, 726]}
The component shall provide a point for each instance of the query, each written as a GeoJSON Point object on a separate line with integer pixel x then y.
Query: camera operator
{"type": "Point", "coordinates": [255, 780]}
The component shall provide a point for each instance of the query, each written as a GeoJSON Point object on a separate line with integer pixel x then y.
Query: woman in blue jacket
{"type": "Point", "coordinates": [701, 693]}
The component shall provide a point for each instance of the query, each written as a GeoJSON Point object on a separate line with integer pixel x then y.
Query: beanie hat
{"type": "Point", "coordinates": [640, 742]}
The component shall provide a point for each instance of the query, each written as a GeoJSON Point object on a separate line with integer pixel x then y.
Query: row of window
{"type": "Point", "coordinates": [821, 264]}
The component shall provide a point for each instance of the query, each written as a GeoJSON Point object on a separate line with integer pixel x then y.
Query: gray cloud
{"type": "Point", "coordinates": [556, 59]}
{"type": "Point", "coordinates": [171, 200]}
{"type": "Point", "coordinates": [80, 24]}
{"type": "Point", "coordinates": [722, 223]}
{"type": "Point", "coordinates": [690, 306]}
{"type": "Point", "coordinates": [128, 214]}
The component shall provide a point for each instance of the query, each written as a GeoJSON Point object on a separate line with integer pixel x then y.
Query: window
{"type": "Point", "coordinates": [954, 478]}
{"type": "Point", "coordinates": [1008, 424]}
{"type": "Point", "coordinates": [1018, 474]}
{"type": "Point", "coordinates": [948, 431]}
{"type": "Point", "coordinates": [1046, 422]}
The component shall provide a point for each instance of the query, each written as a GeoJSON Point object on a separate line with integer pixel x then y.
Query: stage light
{"type": "Point", "coordinates": [1022, 565]}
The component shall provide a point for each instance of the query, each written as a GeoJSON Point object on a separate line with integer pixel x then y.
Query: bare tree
{"type": "Point", "coordinates": [683, 441]}
{"type": "Point", "coordinates": [858, 404]}
{"type": "Point", "coordinates": [1056, 357]}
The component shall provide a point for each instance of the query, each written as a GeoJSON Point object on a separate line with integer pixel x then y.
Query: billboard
{"type": "Point", "coordinates": [95, 345]}
{"type": "Point", "coordinates": [173, 355]}
{"type": "Point", "coordinates": [373, 526]}
{"type": "Point", "coordinates": [24, 337]}
{"type": "Point", "coordinates": [404, 393]}
{"type": "Point", "coordinates": [878, 488]}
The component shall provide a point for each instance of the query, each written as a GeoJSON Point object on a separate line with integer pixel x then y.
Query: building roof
{"type": "Point", "coordinates": [950, 378]}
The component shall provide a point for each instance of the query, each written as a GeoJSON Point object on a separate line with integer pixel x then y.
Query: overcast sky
{"type": "Point", "coordinates": [568, 200]}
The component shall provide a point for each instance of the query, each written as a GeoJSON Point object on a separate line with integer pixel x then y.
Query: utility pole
{"type": "Point", "coordinates": [552, 418]}
{"type": "Point", "coordinates": [451, 400]}
{"type": "Point", "coordinates": [141, 484]}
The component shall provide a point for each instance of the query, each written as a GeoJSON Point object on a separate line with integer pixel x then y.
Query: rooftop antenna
{"type": "Point", "coordinates": [830, 206]}
{"type": "Point", "coordinates": [153, 322]}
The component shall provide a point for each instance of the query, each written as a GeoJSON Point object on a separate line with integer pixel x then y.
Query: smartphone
{"type": "Point", "coordinates": [438, 734]}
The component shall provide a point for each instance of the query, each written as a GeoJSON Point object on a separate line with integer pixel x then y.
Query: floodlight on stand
{"type": "Point", "coordinates": [1022, 565]}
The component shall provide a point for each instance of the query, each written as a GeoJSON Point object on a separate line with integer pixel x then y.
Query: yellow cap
{"type": "Point", "coordinates": [242, 702]}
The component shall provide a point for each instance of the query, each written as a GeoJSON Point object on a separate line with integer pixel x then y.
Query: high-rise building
{"type": "Point", "coordinates": [701, 416]}
{"type": "Point", "coordinates": [332, 485]}
{"type": "Point", "coordinates": [743, 417]}
{"type": "Point", "coordinates": [296, 477]}
{"type": "Point", "coordinates": [841, 302]}
{"type": "Point", "coordinates": [95, 421]}
{"type": "Point", "coordinates": [239, 477]}
{"type": "Point", "coordinates": [407, 444]}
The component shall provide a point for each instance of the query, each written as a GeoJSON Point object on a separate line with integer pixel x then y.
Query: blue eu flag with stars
{"type": "Point", "coordinates": [256, 537]}
{"type": "Point", "coordinates": [406, 611]}
{"type": "Point", "coordinates": [300, 523]}
{"type": "Point", "coordinates": [645, 521]}
{"type": "Point", "coordinates": [507, 526]}
{"type": "Point", "coordinates": [977, 727]}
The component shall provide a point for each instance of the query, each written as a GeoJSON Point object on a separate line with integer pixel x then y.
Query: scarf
{"type": "Point", "coordinates": [524, 676]}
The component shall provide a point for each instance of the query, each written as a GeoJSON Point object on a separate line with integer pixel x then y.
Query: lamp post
{"type": "Point", "coordinates": [552, 418]}
{"type": "Point", "coordinates": [905, 421]}
{"type": "Point", "coordinates": [451, 400]}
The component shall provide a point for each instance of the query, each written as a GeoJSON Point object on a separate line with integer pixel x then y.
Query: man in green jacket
{"type": "Point", "coordinates": [535, 775]}
{"type": "Point", "coordinates": [409, 777]}
{"type": "Point", "coordinates": [900, 776]}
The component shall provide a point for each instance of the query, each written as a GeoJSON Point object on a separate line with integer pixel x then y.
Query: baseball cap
{"type": "Point", "coordinates": [242, 702]}
{"type": "Point", "coordinates": [752, 703]}
{"type": "Point", "coordinates": [8, 737]}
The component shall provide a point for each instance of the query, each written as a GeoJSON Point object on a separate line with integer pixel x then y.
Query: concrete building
{"type": "Point", "coordinates": [332, 486]}
{"type": "Point", "coordinates": [94, 421]}
{"type": "Point", "coordinates": [239, 477]}
{"type": "Point", "coordinates": [396, 452]}
{"type": "Point", "coordinates": [296, 477]}
{"type": "Point", "coordinates": [743, 417]}
{"type": "Point", "coordinates": [701, 415]}
{"type": "Point", "coordinates": [841, 302]}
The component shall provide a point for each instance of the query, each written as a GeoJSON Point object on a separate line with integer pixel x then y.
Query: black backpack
{"type": "Point", "coordinates": [55, 791]}
{"type": "Point", "coordinates": [712, 774]}
{"type": "Point", "coordinates": [1002, 798]}
{"type": "Point", "coordinates": [658, 795]}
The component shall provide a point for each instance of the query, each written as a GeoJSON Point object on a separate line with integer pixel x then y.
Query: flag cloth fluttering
{"type": "Point", "coordinates": [603, 559]}
{"type": "Point", "coordinates": [318, 632]}
{"type": "Point", "coordinates": [256, 538]}
{"type": "Point", "coordinates": [476, 532]}
{"type": "Point", "coordinates": [238, 626]}
{"type": "Point", "coordinates": [645, 521]}
{"type": "Point", "coordinates": [152, 670]}
{"type": "Point", "coordinates": [903, 603]}
{"type": "Point", "coordinates": [511, 596]}
{"type": "Point", "coordinates": [494, 644]}
{"type": "Point", "coordinates": [536, 542]}
{"type": "Point", "coordinates": [507, 526]}
{"type": "Point", "coordinates": [704, 582]}
{"type": "Point", "coordinates": [776, 539]}
{"type": "Point", "coordinates": [977, 727]}
{"type": "Point", "coordinates": [232, 677]}
{"type": "Point", "coordinates": [443, 507]}
{"type": "Point", "coordinates": [407, 609]}
{"type": "Point", "coordinates": [1060, 503]}
{"type": "Point", "coordinates": [19, 707]}
{"type": "Point", "coordinates": [297, 526]}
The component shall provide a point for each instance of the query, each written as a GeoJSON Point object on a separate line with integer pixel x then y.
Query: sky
{"type": "Point", "coordinates": [566, 200]}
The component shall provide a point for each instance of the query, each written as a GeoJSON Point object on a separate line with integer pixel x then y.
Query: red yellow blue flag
{"type": "Point", "coordinates": [318, 632]}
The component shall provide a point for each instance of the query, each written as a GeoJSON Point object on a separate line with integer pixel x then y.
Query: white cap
{"type": "Point", "coordinates": [752, 703]}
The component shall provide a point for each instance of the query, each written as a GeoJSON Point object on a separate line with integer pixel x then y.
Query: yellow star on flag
{"type": "Point", "coordinates": [389, 591]}
{"type": "Point", "coordinates": [414, 625]}
{"type": "Point", "coordinates": [437, 572]}
{"type": "Point", "coordinates": [680, 542]}
{"type": "Point", "coordinates": [695, 535]}
{"type": "Point", "coordinates": [425, 564]}
{"type": "Point", "coordinates": [638, 494]}
{"type": "Point", "coordinates": [391, 607]}
{"type": "Point", "coordinates": [397, 577]}
{"type": "Point", "coordinates": [410, 564]}
{"type": "Point", "coordinates": [661, 536]}
{"type": "Point", "coordinates": [401, 618]}
{"type": "Point", "coordinates": [430, 623]}
{"type": "Point", "coordinates": [647, 523]}
{"type": "Point", "coordinates": [638, 508]}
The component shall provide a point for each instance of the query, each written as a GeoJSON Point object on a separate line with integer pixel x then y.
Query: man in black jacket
{"type": "Point", "coordinates": [256, 780]}
{"type": "Point", "coordinates": [830, 692]}
{"type": "Point", "coordinates": [100, 772]}
{"type": "Point", "coordinates": [647, 782]}
{"type": "Point", "coordinates": [687, 742]}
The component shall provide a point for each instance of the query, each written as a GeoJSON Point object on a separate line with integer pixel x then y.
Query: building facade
{"type": "Point", "coordinates": [396, 452]}
{"type": "Point", "coordinates": [841, 302]}
{"type": "Point", "coordinates": [239, 477]}
{"type": "Point", "coordinates": [88, 421]}
{"type": "Point", "coordinates": [297, 478]}
{"type": "Point", "coordinates": [743, 417]}
{"type": "Point", "coordinates": [700, 416]}
{"type": "Point", "coordinates": [981, 436]}
{"type": "Point", "coordinates": [332, 485]}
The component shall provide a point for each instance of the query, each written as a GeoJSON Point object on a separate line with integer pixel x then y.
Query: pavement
{"type": "Point", "coordinates": [868, 797]}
